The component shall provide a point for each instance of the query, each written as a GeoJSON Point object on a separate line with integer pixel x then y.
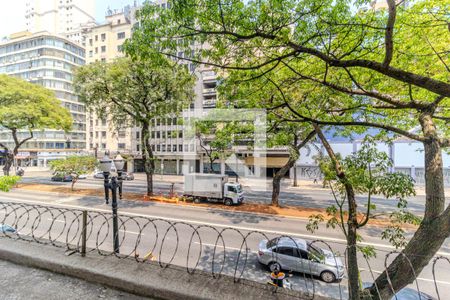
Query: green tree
{"type": "Point", "coordinates": [74, 166]}
{"type": "Point", "coordinates": [386, 69]}
{"type": "Point", "coordinates": [25, 108]}
{"type": "Point", "coordinates": [134, 92]}
{"type": "Point", "coordinates": [364, 172]}
{"type": "Point", "coordinates": [215, 139]}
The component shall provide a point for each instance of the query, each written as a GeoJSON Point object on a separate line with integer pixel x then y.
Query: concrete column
{"type": "Point", "coordinates": [130, 166]}
{"type": "Point", "coordinates": [201, 164]}
{"type": "Point", "coordinates": [178, 167]}
{"type": "Point", "coordinates": [413, 172]}
{"type": "Point", "coordinates": [392, 156]}
{"type": "Point", "coordinates": [222, 167]}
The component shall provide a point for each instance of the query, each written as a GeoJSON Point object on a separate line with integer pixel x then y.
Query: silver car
{"type": "Point", "coordinates": [300, 256]}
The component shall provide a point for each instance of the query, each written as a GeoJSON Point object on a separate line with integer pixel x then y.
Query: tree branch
{"type": "Point", "coordinates": [389, 33]}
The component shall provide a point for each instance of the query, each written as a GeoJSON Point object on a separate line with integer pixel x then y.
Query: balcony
{"type": "Point", "coordinates": [211, 91]}
{"type": "Point", "coordinates": [209, 76]}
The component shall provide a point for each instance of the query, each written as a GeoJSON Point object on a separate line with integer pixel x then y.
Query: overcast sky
{"type": "Point", "coordinates": [12, 13]}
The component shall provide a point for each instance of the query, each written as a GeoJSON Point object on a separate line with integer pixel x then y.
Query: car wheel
{"type": "Point", "coordinates": [197, 200]}
{"type": "Point", "coordinates": [327, 276]}
{"type": "Point", "coordinates": [274, 265]}
{"type": "Point", "coordinates": [228, 202]}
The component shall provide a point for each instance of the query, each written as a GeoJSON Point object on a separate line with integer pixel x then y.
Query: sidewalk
{"type": "Point", "coordinates": [19, 282]}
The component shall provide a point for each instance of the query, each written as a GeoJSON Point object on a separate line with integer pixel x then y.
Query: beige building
{"type": "Point", "coordinates": [104, 43]}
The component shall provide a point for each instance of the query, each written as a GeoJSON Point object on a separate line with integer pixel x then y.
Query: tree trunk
{"type": "Point", "coordinates": [352, 222]}
{"type": "Point", "coordinates": [295, 183]}
{"type": "Point", "coordinates": [433, 230]}
{"type": "Point", "coordinates": [148, 158]}
{"type": "Point", "coordinates": [9, 160]}
{"type": "Point", "coordinates": [74, 180]}
{"type": "Point", "coordinates": [276, 181]}
{"type": "Point", "coordinates": [352, 257]}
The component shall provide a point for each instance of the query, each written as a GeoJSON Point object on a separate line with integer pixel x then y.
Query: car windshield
{"type": "Point", "coordinates": [239, 188]}
{"type": "Point", "coordinates": [315, 253]}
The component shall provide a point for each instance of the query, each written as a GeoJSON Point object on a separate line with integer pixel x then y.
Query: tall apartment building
{"type": "Point", "coordinates": [68, 18]}
{"type": "Point", "coordinates": [47, 60]}
{"type": "Point", "coordinates": [104, 43]}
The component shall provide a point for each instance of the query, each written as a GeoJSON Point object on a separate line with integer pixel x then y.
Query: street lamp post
{"type": "Point", "coordinates": [113, 184]}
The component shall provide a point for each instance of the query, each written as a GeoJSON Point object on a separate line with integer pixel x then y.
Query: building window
{"type": "Point", "coordinates": [180, 148]}
{"type": "Point", "coordinates": [103, 146]}
{"type": "Point", "coordinates": [153, 135]}
{"type": "Point", "coordinates": [91, 53]}
{"type": "Point", "coordinates": [122, 134]}
{"type": "Point", "coordinates": [103, 134]}
{"type": "Point", "coordinates": [121, 146]}
{"type": "Point", "coordinates": [138, 149]}
{"type": "Point", "coordinates": [96, 38]}
{"type": "Point", "coordinates": [174, 148]}
{"type": "Point", "coordinates": [96, 50]}
{"type": "Point", "coordinates": [90, 42]}
{"type": "Point", "coordinates": [103, 37]}
{"type": "Point", "coordinates": [120, 48]}
{"type": "Point", "coordinates": [103, 122]}
{"type": "Point", "coordinates": [138, 135]}
{"type": "Point", "coordinates": [103, 59]}
{"type": "Point", "coordinates": [103, 49]}
{"type": "Point", "coordinates": [158, 148]}
{"type": "Point", "coordinates": [120, 35]}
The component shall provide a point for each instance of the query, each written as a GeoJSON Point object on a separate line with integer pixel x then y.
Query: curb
{"type": "Point", "coordinates": [145, 279]}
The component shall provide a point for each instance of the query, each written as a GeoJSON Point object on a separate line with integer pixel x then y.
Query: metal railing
{"type": "Point", "coordinates": [221, 250]}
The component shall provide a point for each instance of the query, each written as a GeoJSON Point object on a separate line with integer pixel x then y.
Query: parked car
{"type": "Point", "coordinates": [99, 175]}
{"type": "Point", "coordinates": [127, 176]}
{"type": "Point", "coordinates": [4, 228]}
{"type": "Point", "coordinates": [406, 294]}
{"type": "Point", "coordinates": [82, 176]}
{"type": "Point", "coordinates": [300, 256]}
{"type": "Point", "coordinates": [62, 177]}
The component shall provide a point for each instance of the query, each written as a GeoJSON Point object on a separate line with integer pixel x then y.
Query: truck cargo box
{"type": "Point", "coordinates": [204, 185]}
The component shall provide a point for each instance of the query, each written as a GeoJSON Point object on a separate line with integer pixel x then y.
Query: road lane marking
{"type": "Point", "coordinates": [53, 220]}
{"type": "Point", "coordinates": [220, 246]}
{"type": "Point", "coordinates": [132, 232]}
{"type": "Point", "coordinates": [307, 236]}
{"type": "Point", "coordinates": [418, 278]}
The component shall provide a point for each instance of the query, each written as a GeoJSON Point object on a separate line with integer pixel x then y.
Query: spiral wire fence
{"type": "Point", "coordinates": [165, 242]}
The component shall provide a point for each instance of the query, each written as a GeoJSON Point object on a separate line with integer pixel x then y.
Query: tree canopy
{"type": "Point", "coordinates": [134, 92]}
{"type": "Point", "coordinates": [27, 107]}
{"type": "Point", "coordinates": [74, 166]}
{"type": "Point", "coordinates": [333, 63]}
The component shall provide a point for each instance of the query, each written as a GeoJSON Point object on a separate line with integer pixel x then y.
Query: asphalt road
{"type": "Point", "coordinates": [178, 243]}
{"type": "Point", "coordinates": [256, 194]}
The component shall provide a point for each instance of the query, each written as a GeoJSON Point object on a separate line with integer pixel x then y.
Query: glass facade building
{"type": "Point", "coordinates": [49, 61]}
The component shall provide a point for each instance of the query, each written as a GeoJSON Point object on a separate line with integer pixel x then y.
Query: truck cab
{"type": "Point", "coordinates": [234, 192]}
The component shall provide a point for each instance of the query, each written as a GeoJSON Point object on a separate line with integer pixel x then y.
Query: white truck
{"type": "Point", "coordinates": [212, 188]}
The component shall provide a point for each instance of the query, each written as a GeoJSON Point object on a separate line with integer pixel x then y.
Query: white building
{"type": "Point", "coordinates": [62, 17]}
{"type": "Point", "coordinates": [47, 60]}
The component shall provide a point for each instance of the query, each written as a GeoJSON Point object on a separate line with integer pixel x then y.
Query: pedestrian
{"type": "Point", "coordinates": [277, 277]}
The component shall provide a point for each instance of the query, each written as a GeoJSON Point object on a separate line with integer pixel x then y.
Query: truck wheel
{"type": "Point", "coordinates": [228, 202]}
{"type": "Point", "coordinates": [197, 200]}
